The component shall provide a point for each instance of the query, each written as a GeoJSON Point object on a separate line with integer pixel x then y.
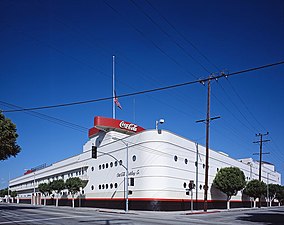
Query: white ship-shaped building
{"type": "Point", "coordinates": [161, 163]}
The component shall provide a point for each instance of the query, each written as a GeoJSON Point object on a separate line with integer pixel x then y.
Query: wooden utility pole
{"type": "Point", "coordinates": [260, 151]}
{"type": "Point", "coordinates": [207, 121]}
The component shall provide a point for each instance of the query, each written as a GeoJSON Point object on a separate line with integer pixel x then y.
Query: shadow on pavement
{"type": "Point", "coordinates": [274, 218]}
{"type": "Point", "coordinates": [11, 207]}
{"type": "Point", "coordinates": [108, 222]}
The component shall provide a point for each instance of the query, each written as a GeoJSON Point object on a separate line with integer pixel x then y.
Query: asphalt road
{"type": "Point", "coordinates": [26, 214]}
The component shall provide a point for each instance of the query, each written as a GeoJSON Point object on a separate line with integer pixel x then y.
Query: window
{"type": "Point", "coordinates": [111, 164]}
{"type": "Point", "coordinates": [115, 185]}
{"type": "Point", "coordinates": [111, 186]}
{"type": "Point", "coordinates": [100, 187]}
{"type": "Point", "coordinates": [115, 163]}
{"type": "Point", "coordinates": [100, 167]}
{"type": "Point", "coordinates": [185, 161]}
{"type": "Point", "coordinates": [92, 187]}
{"type": "Point", "coordinates": [106, 186]}
{"type": "Point", "coordinates": [103, 186]}
{"type": "Point", "coordinates": [175, 158]}
{"type": "Point", "coordinates": [184, 185]}
{"type": "Point", "coordinates": [120, 162]}
{"type": "Point", "coordinates": [134, 158]}
{"type": "Point", "coordinates": [92, 168]}
{"type": "Point", "coordinates": [106, 165]}
{"type": "Point", "coordinates": [103, 166]}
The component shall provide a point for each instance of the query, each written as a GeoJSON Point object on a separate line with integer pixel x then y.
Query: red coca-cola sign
{"type": "Point", "coordinates": [109, 124]}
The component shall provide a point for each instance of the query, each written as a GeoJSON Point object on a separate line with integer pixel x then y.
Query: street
{"type": "Point", "coordinates": [27, 214]}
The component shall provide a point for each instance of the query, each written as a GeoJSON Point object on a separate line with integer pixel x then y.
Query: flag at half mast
{"type": "Point", "coordinates": [116, 101]}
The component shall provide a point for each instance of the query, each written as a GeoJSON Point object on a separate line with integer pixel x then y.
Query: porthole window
{"type": "Point", "coordinates": [200, 187]}
{"type": "Point", "coordinates": [115, 185]}
{"type": "Point", "coordinates": [175, 158]}
{"type": "Point", "coordinates": [120, 162]}
{"type": "Point", "coordinates": [100, 187]}
{"type": "Point", "coordinates": [111, 164]}
{"type": "Point", "coordinates": [185, 161]}
{"type": "Point", "coordinates": [92, 168]}
{"type": "Point", "coordinates": [217, 169]}
{"type": "Point", "coordinates": [111, 186]}
{"type": "Point", "coordinates": [106, 165]}
{"type": "Point", "coordinates": [103, 166]}
{"type": "Point", "coordinates": [92, 187]}
{"type": "Point", "coordinates": [103, 186]}
{"type": "Point", "coordinates": [100, 167]}
{"type": "Point", "coordinates": [106, 186]}
{"type": "Point", "coordinates": [184, 185]}
{"type": "Point", "coordinates": [115, 163]}
{"type": "Point", "coordinates": [134, 158]}
{"type": "Point", "coordinates": [203, 166]}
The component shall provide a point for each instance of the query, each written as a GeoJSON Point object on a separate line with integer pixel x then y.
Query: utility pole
{"type": "Point", "coordinates": [207, 121]}
{"type": "Point", "coordinates": [260, 151]}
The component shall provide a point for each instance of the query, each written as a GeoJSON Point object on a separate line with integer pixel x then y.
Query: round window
{"type": "Point", "coordinates": [134, 158]}
{"type": "Point", "coordinates": [175, 158]}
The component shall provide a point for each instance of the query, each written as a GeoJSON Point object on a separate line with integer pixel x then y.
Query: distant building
{"type": "Point", "coordinates": [161, 163]}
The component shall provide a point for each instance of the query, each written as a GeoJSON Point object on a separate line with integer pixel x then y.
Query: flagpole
{"type": "Point", "coordinates": [113, 87]}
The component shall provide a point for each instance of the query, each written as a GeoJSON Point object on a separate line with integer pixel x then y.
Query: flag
{"type": "Point", "coordinates": [116, 101]}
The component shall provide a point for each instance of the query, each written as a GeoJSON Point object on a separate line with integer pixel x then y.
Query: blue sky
{"type": "Point", "coordinates": [55, 52]}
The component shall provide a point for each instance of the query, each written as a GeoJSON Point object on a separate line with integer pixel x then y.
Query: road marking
{"type": "Point", "coordinates": [47, 219]}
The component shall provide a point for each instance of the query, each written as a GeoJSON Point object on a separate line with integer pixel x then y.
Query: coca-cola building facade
{"type": "Point", "coordinates": [161, 165]}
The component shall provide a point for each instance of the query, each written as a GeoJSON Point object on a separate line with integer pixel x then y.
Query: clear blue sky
{"type": "Point", "coordinates": [56, 52]}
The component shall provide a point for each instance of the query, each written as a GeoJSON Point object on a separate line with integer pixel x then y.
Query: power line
{"type": "Point", "coordinates": [153, 43]}
{"type": "Point", "coordinates": [48, 118]}
{"type": "Point", "coordinates": [149, 90]}
{"type": "Point", "coordinates": [169, 36]}
{"type": "Point", "coordinates": [183, 36]}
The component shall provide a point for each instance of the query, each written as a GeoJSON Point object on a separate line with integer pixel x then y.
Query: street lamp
{"type": "Point", "coordinates": [126, 168]}
{"type": "Point", "coordinates": [160, 121]}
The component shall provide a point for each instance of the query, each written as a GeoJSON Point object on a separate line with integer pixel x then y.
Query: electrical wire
{"type": "Point", "coordinates": [149, 90]}
{"type": "Point", "coordinates": [182, 35]}
{"type": "Point", "coordinates": [48, 118]}
{"type": "Point", "coordinates": [169, 36]}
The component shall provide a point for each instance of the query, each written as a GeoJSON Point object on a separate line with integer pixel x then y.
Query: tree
{"type": "Point", "coordinates": [273, 190]}
{"type": "Point", "coordinates": [229, 180]}
{"type": "Point", "coordinates": [280, 195]}
{"type": "Point", "coordinates": [45, 189]}
{"type": "Point", "coordinates": [4, 192]}
{"type": "Point", "coordinates": [73, 185]}
{"type": "Point", "coordinates": [255, 189]}
{"type": "Point", "coordinates": [57, 186]}
{"type": "Point", "coordinates": [8, 137]}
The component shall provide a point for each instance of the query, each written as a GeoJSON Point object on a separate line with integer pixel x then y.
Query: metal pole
{"type": "Point", "coordinates": [267, 194]}
{"type": "Point", "coordinates": [196, 178]}
{"type": "Point", "coordinates": [207, 147]}
{"type": "Point", "coordinates": [191, 204]}
{"type": "Point", "coordinates": [9, 189]}
{"type": "Point", "coordinates": [34, 191]}
{"type": "Point", "coordinates": [126, 194]}
{"type": "Point", "coordinates": [113, 86]}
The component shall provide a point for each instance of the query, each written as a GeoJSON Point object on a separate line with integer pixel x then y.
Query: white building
{"type": "Point", "coordinates": [161, 163]}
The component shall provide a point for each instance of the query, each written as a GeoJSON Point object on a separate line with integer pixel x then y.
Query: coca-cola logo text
{"type": "Point", "coordinates": [128, 126]}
